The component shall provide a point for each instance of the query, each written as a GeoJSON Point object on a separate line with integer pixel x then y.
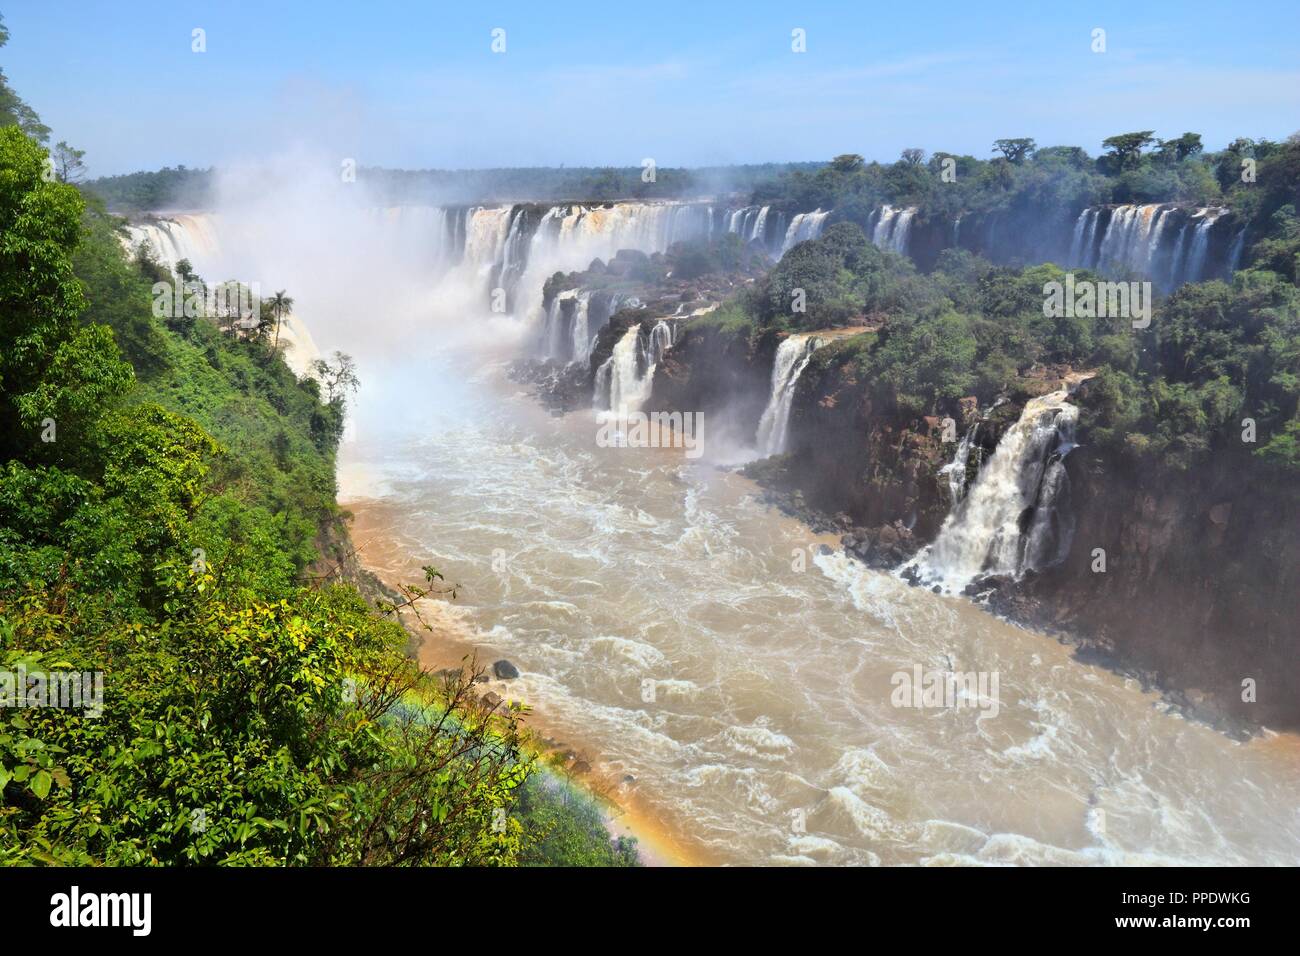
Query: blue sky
{"type": "Point", "coordinates": [610, 83]}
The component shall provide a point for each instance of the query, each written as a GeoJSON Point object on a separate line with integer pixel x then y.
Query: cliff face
{"type": "Point", "coordinates": [1200, 586]}
{"type": "Point", "coordinates": [717, 372]}
{"type": "Point", "coordinates": [1201, 577]}
{"type": "Point", "coordinates": [850, 458]}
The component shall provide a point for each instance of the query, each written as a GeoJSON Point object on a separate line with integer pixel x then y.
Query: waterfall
{"type": "Point", "coordinates": [1162, 242]}
{"type": "Point", "coordinates": [581, 337]}
{"type": "Point", "coordinates": [624, 380]}
{"type": "Point", "coordinates": [512, 255]}
{"type": "Point", "coordinates": [192, 237]}
{"type": "Point", "coordinates": [804, 226]}
{"type": "Point", "coordinates": [750, 223]}
{"type": "Point", "coordinates": [1015, 518]}
{"type": "Point", "coordinates": [955, 470]}
{"type": "Point", "coordinates": [487, 229]}
{"type": "Point", "coordinates": [1088, 254]}
{"type": "Point", "coordinates": [661, 340]}
{"type": "Point", "coordinates": [573, 319]}
{"type": "Point", "coordinates": [1195, 268]}
{"type": "Point", "coordinates": [1234, 253]}
{"type": "Point", "coordinates": [1176, 257]}
{"type": "Point", "coordinates": [792, 357]}
{"type": "Point", "coordinates": [892, 227]}
{"type": "Point", "coordinates": [1153, 243]}
{"type": "Point", "coordinates": [1118, 238]}
{"type": "Point", "coordinates": [1076, 242]}
{"type": "Point", "coordinates": [500, 256]}
{"type": "Point", "coordinates": [558, 328]}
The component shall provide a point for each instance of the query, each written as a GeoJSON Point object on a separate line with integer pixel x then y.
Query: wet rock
{"type": "Point", "coordinates": [491, 699]}
{"type": "Point", "coordinates": [560, 387]}
{"type": "Point", "coordinates": [504, 670]}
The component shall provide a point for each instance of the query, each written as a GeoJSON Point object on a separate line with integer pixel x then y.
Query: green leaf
{"type": "Point", "coordinates": [41, 784]}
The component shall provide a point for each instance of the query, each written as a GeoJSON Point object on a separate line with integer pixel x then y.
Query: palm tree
{"type": "Point", "coordinates": [281, 305]}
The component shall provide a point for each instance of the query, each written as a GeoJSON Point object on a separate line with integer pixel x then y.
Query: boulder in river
{"type": "Point", "coordinates": [504, 670]}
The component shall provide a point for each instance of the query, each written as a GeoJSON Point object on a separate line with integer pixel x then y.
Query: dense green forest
{"type": "Point", "coordinates": [166, 489]}
{"type": "Point", "coordinates": [1215, 352]}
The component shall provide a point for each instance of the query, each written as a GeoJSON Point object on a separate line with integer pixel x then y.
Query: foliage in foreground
{"type": "Point", "coordinates": [157, 519]}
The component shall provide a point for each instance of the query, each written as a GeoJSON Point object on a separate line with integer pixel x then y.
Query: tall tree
{"type": "Point", "coordinates": [1126, 148]}
{"type": "Point", "coordinates": [339, 378]}
{"type": "Point", "coordinates": [847, 163]}
{"type": "Point", "coordinates": [68, 165]}
{"type": "Point", "coordinates": [281, 305]}
{"type": "Point", "coordinates": [1015, 150]}
{"type": "Point", "coordinates": [1189, 144]}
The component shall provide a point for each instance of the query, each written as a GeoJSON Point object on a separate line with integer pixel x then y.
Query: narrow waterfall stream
{"type": "Point", "coordinates": [792, 357]}
{"type": "Point", "coordinates": [624, 380]}
{"type": "Point", "coordinates": [1007, 523]}
{"type": "Point", "coordinates": [804, 226]}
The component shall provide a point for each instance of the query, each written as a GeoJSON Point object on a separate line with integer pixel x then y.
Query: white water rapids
{"type": "Point", "coordinates": [609, 575]}
{"type": "Point", "coordinates": [671, 628]}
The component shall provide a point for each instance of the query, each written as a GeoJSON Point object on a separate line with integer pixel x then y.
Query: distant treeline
{"type": "Point", "coordinates": [182, 188]}
{"type": "Point", "coordinates": [1136, 167]}
{"type": "Point", "coordinates": [168, 188]}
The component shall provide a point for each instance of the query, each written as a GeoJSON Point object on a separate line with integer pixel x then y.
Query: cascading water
{"type": "Point", "coordinates": [892, 227]}
{"type": "Point", "coordinates": [502, 255]}
{"type": "Point", "coordinates": [1015, 517]}
{"type": "Point", "coordinates": [1195, 267]}
{"type": "Point", "coordinates": [624, 380]}
{"type": "Point", "coordinates": [751, 224]}
{"type": "Point", "coordinates": [804, 226]}
{"type": "Point", "coordinates": [581, 337]}
{"type": "Point", "coordinates": [1234, 253]}
{"type": "Point", "coordinates": [792, 357]}
{"type": "Point", "coordinates": [1078, 241]}
{"type": "Point", "coordinates": [486, 232]}
{"type": "Point", "coordinates": [558, 328]}
{"type": "Point", "coordinates": [642, 565]}
{"type": "Point", "coordinates": [956, 470]}
{"type": "Point", "coordinates": [1162, 242]}
{"type": "Point", "coordinates": [573, 319]}
{"type": "Point", "coordinates": [192, 237]}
